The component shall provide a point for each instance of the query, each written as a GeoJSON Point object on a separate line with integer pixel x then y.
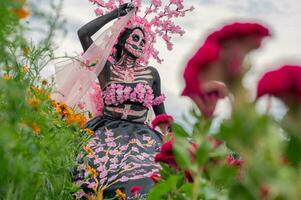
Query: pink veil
{"type": "Point", "coordinates": [75, 78]}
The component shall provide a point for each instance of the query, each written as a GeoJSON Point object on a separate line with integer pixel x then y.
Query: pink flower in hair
{"type": "Point", "coordinates": [156, 20]}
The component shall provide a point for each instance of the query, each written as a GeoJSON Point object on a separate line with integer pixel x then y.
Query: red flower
{"type": "Point", "coordinates": [239, 30]}
{"type": "Point", "coordinates": [218, 59]}
{"type": "Point", "coordinates": [233, 162]}
{"type": "Point", "coordinates": [135, 190]}
{"type": "Point", "coordinates": [264, 191]}
{"type": "Point", "coordinates": [188, 176]}
{"type": "Point", "coordinates": [284, 83]}
{"type": "Point", "coordinates": [156, 178]}
{"type": "Point", "coordinates": [166, 155]}
{"type": "Point", "coordinates": [207, 54]}
{"type": "Point", "coordinates": [162, 119]}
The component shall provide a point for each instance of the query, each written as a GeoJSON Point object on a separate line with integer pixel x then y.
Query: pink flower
{"type": "Point", "coordinates": [162, 119]}
{"type": "Point", "coordinates": [284, 82]}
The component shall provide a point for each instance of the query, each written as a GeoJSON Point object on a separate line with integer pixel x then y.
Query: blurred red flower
{"type": "Point", "coordinates": [217, 61]}
{"type": "Point", "coordinates": [233, 161]}
{"type": "Point", "coordinates": [156, 178]}
{"type": "Point", "coordinates": [284, 82]}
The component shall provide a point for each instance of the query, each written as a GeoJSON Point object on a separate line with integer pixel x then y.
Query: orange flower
{"type": "Point", "coordinates": [120, 195]}
{"type": "Point", "coordinates": [88, 150]}
{"type": "Point", "coordinates": [33, 102]}
{"type": "Point", "coordinates": [35, 128]}
{"type": "Point", "coordinates": [22, 13]}
{"type": "Point", "coordinates": [89, 131]}
{"type": "Point", "coordinates": [91, 170]}
{"type": "Point", "coordinates": [44, 82]}
{"type": "Point", "coordinates": [7, 77]}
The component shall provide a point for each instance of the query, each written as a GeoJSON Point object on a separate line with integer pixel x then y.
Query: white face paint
{"type": "Point", "coordinates": [135, 43]}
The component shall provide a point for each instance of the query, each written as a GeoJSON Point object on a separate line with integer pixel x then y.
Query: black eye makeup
{"type": "Point", "coordinates": [135, 38]}
{"type": "Point", "coordinates": [142, 43]}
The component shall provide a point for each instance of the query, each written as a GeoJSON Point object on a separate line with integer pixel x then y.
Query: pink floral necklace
{"type": "Point", "coordinates": [116, 94]}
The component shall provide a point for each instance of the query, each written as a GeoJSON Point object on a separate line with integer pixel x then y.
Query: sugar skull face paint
{"type": "Point", "coordinates": [135, 43]}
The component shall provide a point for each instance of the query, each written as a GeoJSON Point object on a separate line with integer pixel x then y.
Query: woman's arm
{"type": "Point", "coordinates": [159, 109]}
{"type": "Point", "coordinates": [85, 32]}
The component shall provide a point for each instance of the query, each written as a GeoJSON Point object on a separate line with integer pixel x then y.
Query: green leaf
{"type": "Point", "coordinates": [240, 192]}
{"type": "Point", "coordinates": [162, 188]}
{"type": "Point", "coordinates": [181, 152]}
{"type": "Point", "coordinates": [179, 131]}
{"type": "Point", "coordinates": [293, 150]}
{"type": "Point", "coordinates": [223, 175]}
{"type": "Point", "coordinates": [202, 153]}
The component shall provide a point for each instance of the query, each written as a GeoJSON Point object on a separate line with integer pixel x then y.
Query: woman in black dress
{"type": "Point", "coordinates": [121, 152]}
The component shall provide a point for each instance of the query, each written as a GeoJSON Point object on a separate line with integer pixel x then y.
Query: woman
{"type": "Point", "coordinates": [120, 155]}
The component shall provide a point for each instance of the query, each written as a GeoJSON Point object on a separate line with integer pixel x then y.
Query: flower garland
{"type": "Point", "coordinates": [157, 21]}
{"type": "Point", "coordinates": [116, 94]}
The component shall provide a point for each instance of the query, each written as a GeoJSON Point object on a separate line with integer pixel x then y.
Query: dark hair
{"type": "Point", "coordinates": [121, 41]}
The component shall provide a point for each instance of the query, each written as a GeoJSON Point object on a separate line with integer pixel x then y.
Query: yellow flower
{"type": "Point", "coordinates": [35, 128]}
{"type": "Point", "coordinates": [33, 102]}
{"type": "Point", "coordinates": [120, 195]}
{"type": "Point", "coordinates": [22, 13]}
{"type": "Point", "coordinates": [7, 77]}
{"type": "Point", "coordinates": [89, 131]}
{"type": "Point", "coordinates": [25, 51]}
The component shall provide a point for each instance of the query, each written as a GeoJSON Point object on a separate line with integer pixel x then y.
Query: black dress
{"type": "Point", "coordinates": [121, 152]}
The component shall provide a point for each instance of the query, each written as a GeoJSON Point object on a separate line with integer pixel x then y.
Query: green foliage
{"type": "Point", "coordinates": [37, 148]}
{"type": "Point", "coordinates": [259, 159]}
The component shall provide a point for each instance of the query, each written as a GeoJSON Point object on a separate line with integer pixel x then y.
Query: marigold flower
{"type": "Point", "coordinates": [44, 82]}
{"type": "Point", "coordinates": [22, 13]}
{"type": "Point", "coordinates": [120, 195]}
{"type": "Point", "coordinates": [7, 77]}
{"type": "Point", "coordinates": [91, 170]}
{"type": "Point", "coordinates": [88, 150]}
{"type": "Point", "coordinates": [89, 131]}
{"type": "Point", "coordinates": [33, 102]}
{"type": "Point", "coordinates": [35, 128]}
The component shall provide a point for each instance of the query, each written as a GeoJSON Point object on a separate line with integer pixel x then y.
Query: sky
{"type": "Point", "coordinates": [282, 17]}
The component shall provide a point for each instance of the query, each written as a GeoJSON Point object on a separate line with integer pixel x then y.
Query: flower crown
{"type": "Point", "coordinates": [157, 21]}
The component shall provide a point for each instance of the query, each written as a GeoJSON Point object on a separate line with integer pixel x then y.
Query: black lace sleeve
{"type": "Point", "coordinates": [85, 32]}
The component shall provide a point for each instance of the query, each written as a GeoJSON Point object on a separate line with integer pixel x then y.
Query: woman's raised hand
{"type": "Point", "coordinates": [125, 8]}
